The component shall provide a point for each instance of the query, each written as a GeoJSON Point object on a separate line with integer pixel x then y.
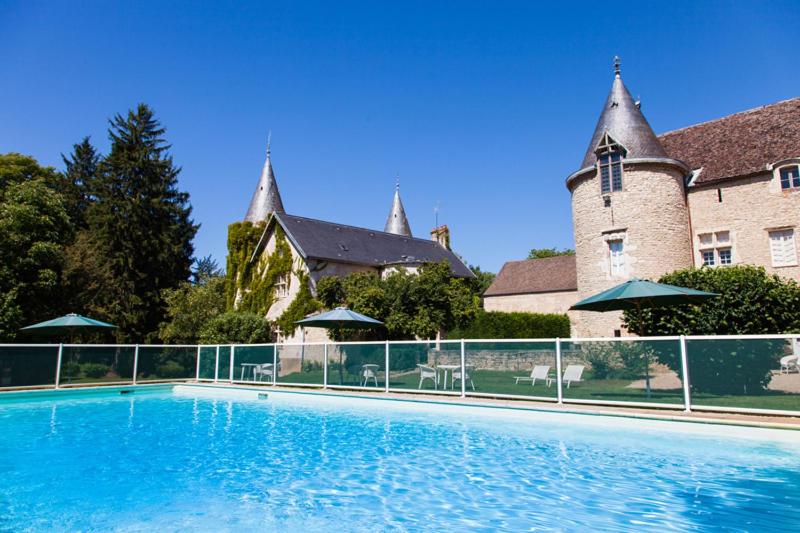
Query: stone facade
{"type": "Point", "coordinates": [748, 208]}
{"type": "Point", "coordinates": [649, 215]}
{"type": "Point", "coordinates": [544, 302]}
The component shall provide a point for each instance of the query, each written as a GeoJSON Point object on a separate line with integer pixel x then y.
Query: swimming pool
{"type": "Point", "coordinates": [193, 458]}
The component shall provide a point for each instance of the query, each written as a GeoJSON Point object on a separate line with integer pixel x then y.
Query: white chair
{"type": "Point", "coordinates": [789, 363]}
{"type": "Point", "coordinates": [369, 372]}
{"type": "Point", "coordinates": [428, 372]}
{"type": "Point", "coordinates": [538, 372]}
{"type": "Point", "coordinates": [467, 377]}
{"type": "Point", "coordinates": [571, 375]}
{"type": "Point", "coordinates": [264, 370]}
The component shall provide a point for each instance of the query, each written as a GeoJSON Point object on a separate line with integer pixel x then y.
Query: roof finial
{"type": "Point", "coordinates": [617, 61]}
{"type": "Point", "coordinates": [397, 181]}
{"type": "Point", "coordinates": [269, 142]}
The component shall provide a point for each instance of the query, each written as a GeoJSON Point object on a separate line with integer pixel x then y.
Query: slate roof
{"type": "Point", "coordinates": [535, 275]}
{"type": "Point", "coordinates": [625, 123]}
{"type": "Point", "coordinates": [740, 144]}
{"type": "Point", "coordinates": [328, 241]}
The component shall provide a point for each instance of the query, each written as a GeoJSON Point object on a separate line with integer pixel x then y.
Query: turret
{"type": "Point", "coordinates": [397, 222]}
{"type": "Point", "coordinates": [629, 207]}
{"type": "Point", "coordinates": [266, 198]}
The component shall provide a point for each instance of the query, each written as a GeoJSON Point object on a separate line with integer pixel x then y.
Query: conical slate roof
{"type": "Point", "coordinates": [397, 223]}
{"type": "Point", "coordinates": [625, 124]}
{"type": "Point", "coordinates": [266, 198]}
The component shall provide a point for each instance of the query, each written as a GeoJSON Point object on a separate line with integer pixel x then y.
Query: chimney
{"type": "Point", "coordinates": [442, 236]}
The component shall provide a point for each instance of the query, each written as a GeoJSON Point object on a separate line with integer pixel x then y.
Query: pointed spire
{"type": "Point", "coordinates": [266, 198]}
{"type": "Point", "coordinates": [624, 122]}
{"type": "Point", "coordinates": [397, 222]}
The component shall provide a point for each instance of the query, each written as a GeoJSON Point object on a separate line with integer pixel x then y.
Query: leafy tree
{"type": "Point", "coordinates": [236, 327]}
{"type": "Point", "coordinates": [482, 279]}
{"type": "Point", "coordinates": [139, 223]}
{"type": "Point", "coordinates": [541, 253]}
{"type": "Point", "coordinates": [206, 269]}
{"type": "Point", "coordinates": [750, 301]}
{"type": "Point", "coordinates": [79, 176]}
{"type": "Point", "coordinates": [190, 307]}
{"type": "Point", "coordinates": [34, 226]}
{"type": "Point", "coordinates": [497, 325]}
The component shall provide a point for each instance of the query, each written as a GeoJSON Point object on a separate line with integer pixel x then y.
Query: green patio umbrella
{"type": "Point", "coordinates": [338, 319]}
{"type": "Point", "coordinates": [68, 324]}
{"type": "Point", "coordinates": [637, 294]}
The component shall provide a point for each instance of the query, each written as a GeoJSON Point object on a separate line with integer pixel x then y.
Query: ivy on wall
{"type": "Point", "coordinates": [303, 304]}
{"type": "Point", "coordinates": [250, 285]}
{"type": "Point", "coordinates": [253, 283]}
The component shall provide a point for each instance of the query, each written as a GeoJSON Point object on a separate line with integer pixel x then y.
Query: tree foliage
{"type": "Point", "coordinates": [497, 325]}
{"type": "Point", "coordinates": [139, 224]}
{"type": "Point", "coordinates": [236, 328]}
{"type": "Point", "coordinates": [542, 253]}
{"type": "Point", "coordinates": [189, 307]}
{"type": "Point", "coordinates": [34, 227]}
{"type": "Point", "coordinates": [410, 305]}
{"type": "Point", "coordinates": [750, 301]}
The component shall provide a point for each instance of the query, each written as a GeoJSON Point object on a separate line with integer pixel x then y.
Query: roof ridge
{"type": "Point", "coordinates": [394, 235]}
{"type": "Point", "coordinates": [719, 119]}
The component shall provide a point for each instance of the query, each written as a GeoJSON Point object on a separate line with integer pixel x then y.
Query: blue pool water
{"type": "Point", "coordinates": [294, 462]}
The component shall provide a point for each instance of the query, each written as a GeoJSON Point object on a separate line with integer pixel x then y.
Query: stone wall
{"type": "Point", "coordinates": [543, 302]}
{"type": "Point", "coordinates": [519, 360]}
{"type": "Point", "coordinates": [749, 209]}
{"type": "Point", "coordinates": [650, 216]}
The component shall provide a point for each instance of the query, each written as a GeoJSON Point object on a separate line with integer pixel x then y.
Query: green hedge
{"type": "Point", "coordinates": [496, 325]}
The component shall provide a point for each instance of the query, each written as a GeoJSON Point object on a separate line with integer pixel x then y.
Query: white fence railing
{"type": "Point", "coordinates": [749, 373]}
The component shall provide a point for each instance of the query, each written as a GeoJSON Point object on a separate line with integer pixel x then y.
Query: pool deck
{"type": "Point", "coordinates": [697, 416]}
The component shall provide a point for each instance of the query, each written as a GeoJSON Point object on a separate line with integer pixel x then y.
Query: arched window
{"type": "Point", "coordinates": [609, 162]}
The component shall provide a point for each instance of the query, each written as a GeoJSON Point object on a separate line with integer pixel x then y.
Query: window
{"type": "Point", "coordinates": [790, 177]}
{"type": "Point", "coordinates": [715, 248]}
{"type": "Point", "coordinates": [616, 258]}
{"type": "Point", "coordinates": [781, 243]}
{"type": "Point", "coordinates": [282, 286]}
{"type": "Point", "coordinates": [609, 160]}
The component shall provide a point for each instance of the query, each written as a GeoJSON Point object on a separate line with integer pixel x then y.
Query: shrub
{"type": "Point", "coordinates": [95, 370]}
{"type": "Point", "coordinates": [236, 328]}
{"type": "Point", "coordinates": [621, 360]}
{"type": "Point", "coordinates": [750, 301]}
{"type": "Point", "coordinates": [497, 325]}
{"type": "Point", "coordinates": [71, 369]}
{"type": "Point", "coordinates": [170, 369]}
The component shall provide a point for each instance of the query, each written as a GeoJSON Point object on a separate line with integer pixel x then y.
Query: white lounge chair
{"type": "Point", "coordinates": [369, 372]}
{"type": "Point", "coordinates": [538, 372]}
{"type": "Point", "coordinates": [467, 377]}
{"type": "Point", "coordinates": [571, 375]}
{"type": "Point", "coordinates": [789, 363]}
{"type": "Point", "coordinates": [428, 372]}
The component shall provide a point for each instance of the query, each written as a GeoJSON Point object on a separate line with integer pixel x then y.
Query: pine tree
{"type": "Point", "coordinates": [79, 177]}
{"type": "Point", "coordinates": [140, 224]}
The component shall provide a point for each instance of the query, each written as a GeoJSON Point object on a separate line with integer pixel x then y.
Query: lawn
{"type": "Point", "coordinates": [502, 383]}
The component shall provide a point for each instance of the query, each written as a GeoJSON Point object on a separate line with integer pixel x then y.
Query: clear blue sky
{"type": "Point", "coordinates": [484, 107]}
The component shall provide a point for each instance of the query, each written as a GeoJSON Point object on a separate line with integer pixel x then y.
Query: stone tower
{"type": "Point", "coordinates": [629, 211]}
{"type": "Point", "coordinates": [266, 198]}
{"type": "Point", "coordinates": [397, 222]}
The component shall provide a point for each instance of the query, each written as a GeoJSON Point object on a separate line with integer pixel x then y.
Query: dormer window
{"type": "Point", "coordinates": [790, 177]}
{"type": "Point", "coordinates": [609, 161]}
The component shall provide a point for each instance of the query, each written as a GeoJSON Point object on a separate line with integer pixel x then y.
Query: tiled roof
{"type": "Point", "coordinates": [739, 144]}
{"type": "Point", "coordinates": [317, 239]}
{"type": "Point", "coordinates": [535, 275]}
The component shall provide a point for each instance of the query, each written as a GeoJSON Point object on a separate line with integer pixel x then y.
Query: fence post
{"type": "Point", "coordinates": [463, 371]}
{"type": "Point", "coordinates": [58, 364]}
{"type": "Point", "coordinates": [274, 364]}
{"type": "Point", "coordinates": [559, 388]}
{"type": "Point", "coordinates": [325, 366]}
{"type": "Point", "coordinates": [233, 354]}
{"type": "Point", "coordinates": [687, 386]}
{"type": "Point", "coordinates": [216, 366]}
{"type": "Point", "coordinates": [135, 362]}
{"type": "Point", "coordinates": [386, 371]}
{"type": "Point", "coordinates": [197, 371]}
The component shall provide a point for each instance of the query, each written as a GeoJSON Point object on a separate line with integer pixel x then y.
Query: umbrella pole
{"type": "Point", "coordinates": [646, 356]}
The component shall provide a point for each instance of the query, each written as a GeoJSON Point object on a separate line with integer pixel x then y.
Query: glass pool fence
{"type": "Point", "coordinates": [751, 374]}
